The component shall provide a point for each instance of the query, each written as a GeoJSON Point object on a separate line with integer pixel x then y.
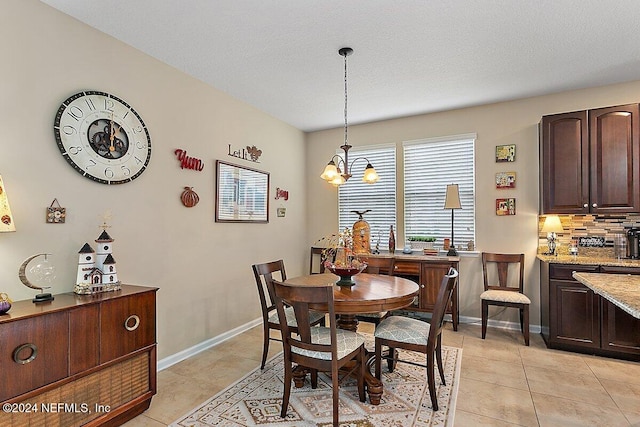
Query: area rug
{"type": "Point", "coordinates": [256, 399]}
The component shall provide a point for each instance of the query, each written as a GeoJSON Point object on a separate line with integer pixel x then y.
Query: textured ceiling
{"type": "Point", "coordinates": [410, 56]}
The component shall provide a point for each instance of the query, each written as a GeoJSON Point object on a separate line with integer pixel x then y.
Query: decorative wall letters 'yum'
{"type": "Point", "coordinates": [187, 162]}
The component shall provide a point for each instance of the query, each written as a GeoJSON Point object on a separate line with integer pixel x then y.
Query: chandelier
{"type": "Point", "coordinates": [332, 173]}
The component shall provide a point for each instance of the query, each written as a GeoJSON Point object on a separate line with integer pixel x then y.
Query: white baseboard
{"type": "Point", "coordinates": [499, 324]}
{"type": "Point", "coordinates": [204, 345]}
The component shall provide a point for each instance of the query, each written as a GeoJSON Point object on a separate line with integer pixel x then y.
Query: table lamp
{"type": "Point", "coordinates": [452, 201]}
{"type": "Point", "coordinates": [6, 219]}
{"type": "Point", "coordinates": [551, 226]}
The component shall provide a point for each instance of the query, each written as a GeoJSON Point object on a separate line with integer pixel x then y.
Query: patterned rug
{"type": "Point", "coordinates": [256, 399]}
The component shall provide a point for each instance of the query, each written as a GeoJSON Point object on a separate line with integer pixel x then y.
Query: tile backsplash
{"type": "Point", "coordinates": [576, 226]}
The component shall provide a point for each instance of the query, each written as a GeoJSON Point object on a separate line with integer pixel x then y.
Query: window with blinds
{"type": "Point", "coordinates": [429, 165]}
{"type": "Point", "coordinates": [379, 197]}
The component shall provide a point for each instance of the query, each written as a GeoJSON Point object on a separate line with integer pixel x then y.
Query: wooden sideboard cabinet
{"type": "Point", "coordinates": [79, 360]}
{"type": "Point", "coordinates": [590, 161]}
{"type": "Point", "coordinates": [575, 318]}
{"type": "Point", "coordinates": [428, 273]}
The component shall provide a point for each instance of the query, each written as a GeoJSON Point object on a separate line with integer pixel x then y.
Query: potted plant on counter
{"type": "Point", "coordinates": [421, 242]}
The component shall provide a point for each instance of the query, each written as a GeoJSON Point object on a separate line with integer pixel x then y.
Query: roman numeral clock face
{"type": "Point", "coordinates": [102, 137]}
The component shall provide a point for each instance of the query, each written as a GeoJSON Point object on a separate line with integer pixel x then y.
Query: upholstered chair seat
{"type": "Point", "coordinates": [505, 296]}
{"type": "Point", "coordinates": [346, 342]}
{"type": "Point", "coordinates": [403, 329]}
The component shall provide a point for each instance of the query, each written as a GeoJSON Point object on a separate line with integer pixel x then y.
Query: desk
{"type": "Point", "coordinates": [371, 293]}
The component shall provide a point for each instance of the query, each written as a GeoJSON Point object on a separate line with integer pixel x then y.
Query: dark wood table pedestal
{"type": "Point", "coordinates": [372, 293]}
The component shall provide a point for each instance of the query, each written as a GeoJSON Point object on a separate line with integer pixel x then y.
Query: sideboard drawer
{"type": "Point", "coordinates": [34, 353]}
{"type": "Point", "coordinates": [407, 267]}
{"type": "Point", "coordinates": [127, 324]}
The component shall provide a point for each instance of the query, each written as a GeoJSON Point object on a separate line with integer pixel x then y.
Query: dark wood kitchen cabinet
{"type": "Point", "coordinates": [574, 310]}
{"type": "Point", "coordinates": [79, 360]}
{"type": "Point", "coordinates": [575, 318]}
{"type": "Point", "coordinates": [590, 161]}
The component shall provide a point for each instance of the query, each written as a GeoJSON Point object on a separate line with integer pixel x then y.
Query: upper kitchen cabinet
{"type": "Point", "coordinates": [590, 161]}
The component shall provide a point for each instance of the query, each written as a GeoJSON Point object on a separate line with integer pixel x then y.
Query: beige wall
{"type": "Point", "coordinates": [201, 267]}
{"type": "Point", "coordinates": [496, 124]}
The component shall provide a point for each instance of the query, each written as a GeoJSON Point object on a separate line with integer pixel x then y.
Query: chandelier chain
{"type": "Point", "coordinates": [345, 100]}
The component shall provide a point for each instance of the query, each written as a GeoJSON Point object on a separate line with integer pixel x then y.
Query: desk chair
{"type": "Point", "coordinates": [501, 294]}
{"type": "Point", "coordinates": [324, 349]}
{"type": "Point", "coordinates": [417, 335]}
{"type": "Point", "coordinates": [263, 274]}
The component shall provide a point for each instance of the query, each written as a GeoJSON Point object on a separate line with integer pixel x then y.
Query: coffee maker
{"type": "Point", "coordinates": [633, 243]}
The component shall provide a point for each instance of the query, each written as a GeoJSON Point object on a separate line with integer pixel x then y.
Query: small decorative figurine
{"type": "Point", "coordinates": [361, 234]}
{"type": "Point", "coordinates": [97, 269]}
{"type": "Point", "coordinates": [5, 303]}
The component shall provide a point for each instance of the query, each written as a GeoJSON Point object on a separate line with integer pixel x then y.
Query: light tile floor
{"type": "Point", "coordinates": [503, 382]}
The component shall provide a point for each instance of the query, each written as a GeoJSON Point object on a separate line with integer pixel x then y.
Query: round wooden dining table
{"type": "Point", "coordinates": [372, 293]}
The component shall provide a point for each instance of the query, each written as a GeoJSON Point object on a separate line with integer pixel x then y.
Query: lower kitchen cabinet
{"type": "Point", "coordinates": [575, 318]}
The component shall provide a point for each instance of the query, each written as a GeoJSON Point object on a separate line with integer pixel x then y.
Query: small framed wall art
{"type": "Point", "coordinates": [506, 180]}
{"type": "Point", "coordinates": [505, 207]}
{"type": "Point", "coordinates": [506, 153]}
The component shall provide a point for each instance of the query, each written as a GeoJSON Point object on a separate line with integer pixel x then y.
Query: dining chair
{"type": "Point", "coordinates": [263, 274]}
{"type": "Point", "coordinates": [501, 293]}
{"type": "Point", "coordinates": [377, 265]}
{"type": "Point", "coordinates": [416, 335]}
{"type": "Point", "coordinates": [319, 349]}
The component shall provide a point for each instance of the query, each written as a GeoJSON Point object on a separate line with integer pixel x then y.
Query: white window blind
{"type": "Point", "coordinates": [379, 197]}
{"type": "Point", "coordinates": [429, 165]}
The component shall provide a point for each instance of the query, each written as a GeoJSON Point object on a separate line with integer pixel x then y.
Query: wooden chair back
{"type": "Point", "coordinates": [379, 265]}
{"type": "Point", "coordinates": [264, 275]}
{"type": "Point", "coordinates": [318, 253]}
{"type": "Point", "coordinates": [447, 285]}
{"type": "Point", "coordinates": [503, 262]}
{"type": "Point", "coordinates": [299, 297]}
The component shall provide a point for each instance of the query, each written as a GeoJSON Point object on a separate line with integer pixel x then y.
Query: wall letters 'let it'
{"type": "Point", "coordinates": [187, 162]}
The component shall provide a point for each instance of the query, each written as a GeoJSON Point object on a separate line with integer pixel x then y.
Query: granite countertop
{"type": "Point", "coordinates": [589, 260]}
{"type": "Point", "coordinates": [623, 290]}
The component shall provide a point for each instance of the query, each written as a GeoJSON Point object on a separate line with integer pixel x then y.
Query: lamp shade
{"type": "Point", "coordinates": [552, 224]}
{"type": "Point", "coordinates": [6, 219]}
{"type": "Point", "coordinates": [370, 175]}
{"type": "Point", "coordinates": [452, 198]}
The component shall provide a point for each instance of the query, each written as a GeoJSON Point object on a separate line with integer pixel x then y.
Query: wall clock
{"type": "Point", "coordinates": [102, 137]}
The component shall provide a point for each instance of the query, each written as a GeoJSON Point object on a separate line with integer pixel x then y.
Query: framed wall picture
{"type": "Point", "coordinates": [506, 180]}
{"type": "Point", "coordinates": [505, 207]}
{"type": "Point", "coordinates": [242, 194]}
{"type": "Point", "coordinates": [506, 153]}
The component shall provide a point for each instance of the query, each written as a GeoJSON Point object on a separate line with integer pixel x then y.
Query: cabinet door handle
{"type": "Point", "coordinates": [136, 323]}
{"type": "Point", "coordinates": [422, 286]}
{"type": "Point", "coordinates": [586, 205]}
{"type": "Point", "coordinates": [595, 205]}
{"type": "Point", "coordinates": [31, 358]}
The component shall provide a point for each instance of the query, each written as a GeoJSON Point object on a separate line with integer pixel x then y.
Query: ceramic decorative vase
{"type": "Point", "coordinates": [5, 303]}
{"type": "Point", "coordinates": [346, 274]}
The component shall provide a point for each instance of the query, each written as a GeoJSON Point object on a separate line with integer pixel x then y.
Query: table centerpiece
{"type": "Point", "coordinates": [340, 259]}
